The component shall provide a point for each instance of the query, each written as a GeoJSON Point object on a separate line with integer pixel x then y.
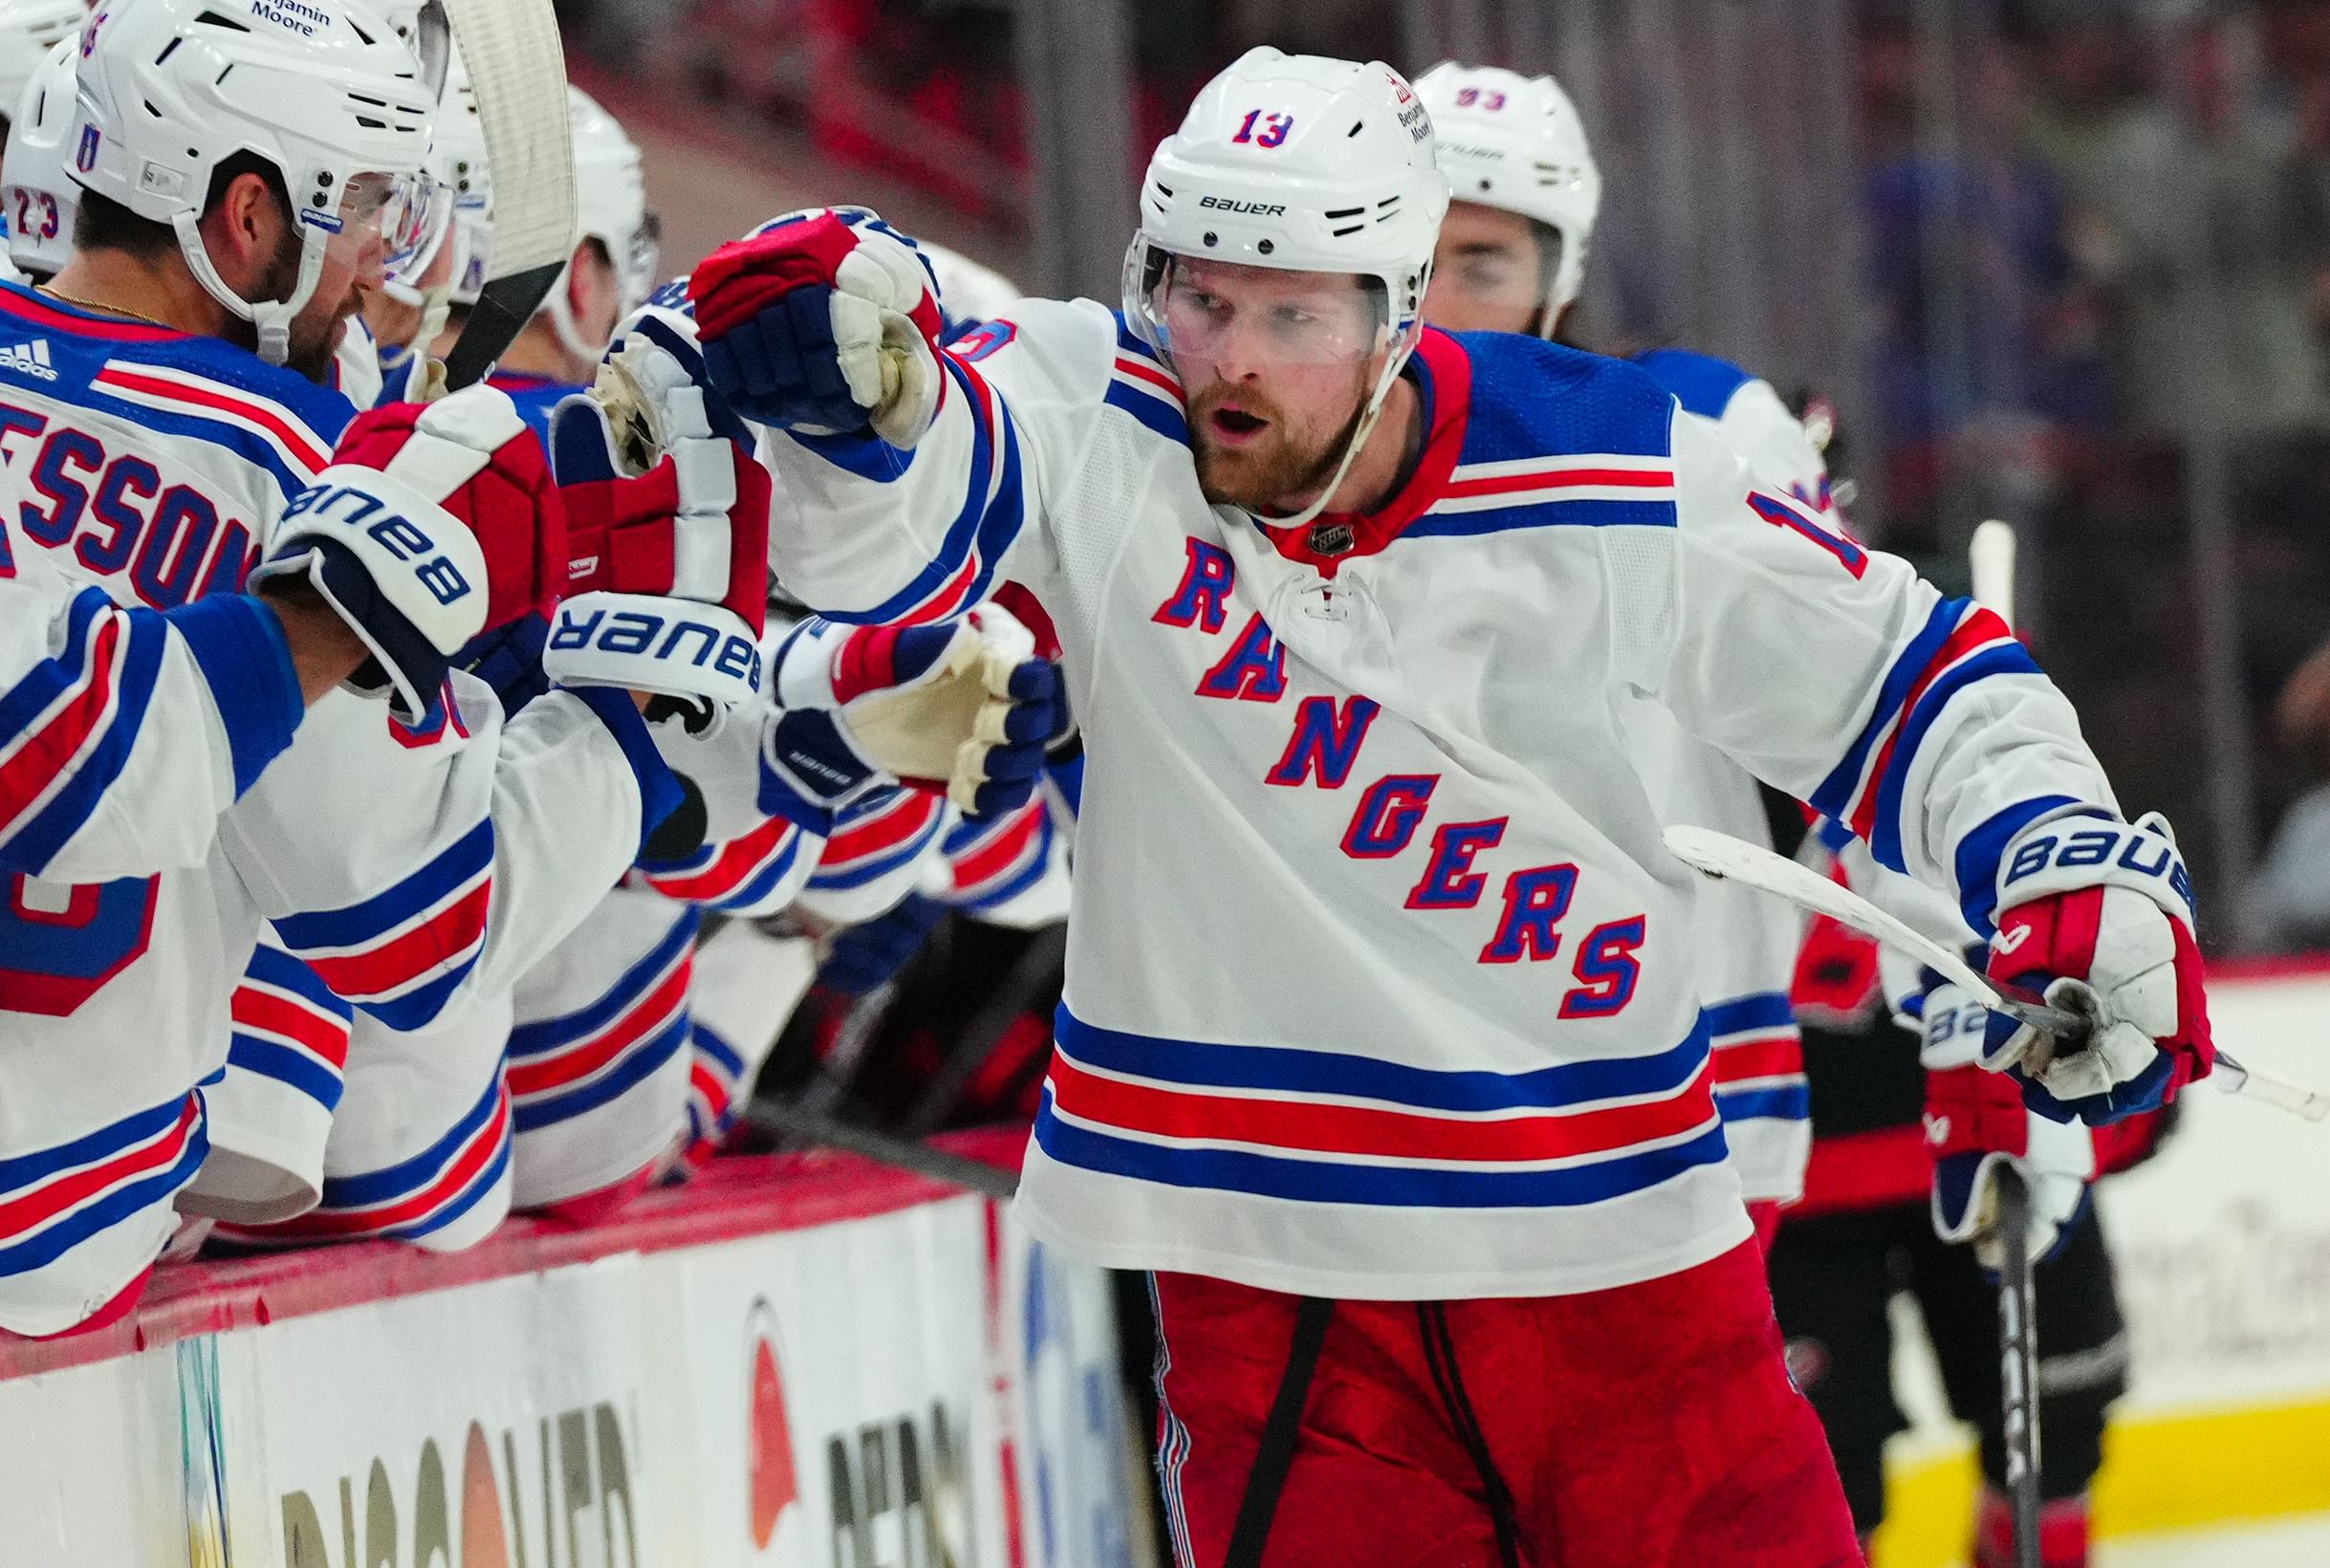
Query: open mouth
{"type": "Point", "coordinates": [1238, 425]}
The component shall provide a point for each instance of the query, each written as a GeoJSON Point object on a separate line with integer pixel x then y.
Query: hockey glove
{"type": "Point", "coordinates": [2098, 921]}
{"type": "Point", "coordinates": [431, 526]}
{"type": "Point", "coordinates": [1976, 1122]}
{"type": "Point", "coordinates": [824, 321]}
{"type": "Point", "coordinates": [963, 708]}
{"type": "Point", "coordinates": [668, 528]}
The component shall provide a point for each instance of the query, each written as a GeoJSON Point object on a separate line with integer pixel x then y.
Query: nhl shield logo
{"type": "Point", "coordinates": [86, 158]}
{"type": "Point", "coordinates": [1331, 539]}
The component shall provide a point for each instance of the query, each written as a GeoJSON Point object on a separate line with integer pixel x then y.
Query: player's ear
{"type": "Point", "coordinates": [245, 229]}
{"type": "Point", "coordinates": [590, 282]}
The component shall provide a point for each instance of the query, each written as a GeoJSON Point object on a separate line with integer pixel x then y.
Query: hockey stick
{"type": "Point", "coordinates": [780, 1120]}
{"type": "Point", "coordinates": [1719, 855]}
{"type": "Point", "coordinates": [1991, 556]}
{"type": "Point", "coordinates": [518, 66]}
{"type": "Point", "coordinates": [2018, 1359]}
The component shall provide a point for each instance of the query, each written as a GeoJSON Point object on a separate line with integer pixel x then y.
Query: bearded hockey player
{"type": "Point", "coordinates": [1511, 258]}
{"type": "Point", "coordinates": [1382, 1041]}
{"type": "Point", "coordinates": [242, 176]}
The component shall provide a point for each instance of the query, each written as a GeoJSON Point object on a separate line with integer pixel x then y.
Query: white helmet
{"type": "Point", "coordinates": [28, 29]}
{"type": "Point", "coordinates": [323, 89]}
{"type": "Point", "coordinates": [39, 199]}
{"type": "Point", "coordinates": [1516, 142]}
{"type": "Point", "coordinates": [610, 207]}
{"type": "Point", "coordinates": [968, 292]}
{"type": "Point", "coordinates": [1307, 165]}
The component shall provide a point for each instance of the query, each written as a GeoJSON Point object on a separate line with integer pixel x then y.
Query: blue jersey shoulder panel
{"type": "Point", "coordinates": [1536, 399]}
{"type": "Point", "coordinates": [1703, 384]}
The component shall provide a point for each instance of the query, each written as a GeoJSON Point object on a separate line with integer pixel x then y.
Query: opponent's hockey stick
{"type": "Point", "coordinates": [1719, 855]}
{"type": "Point", "coordinates": [518, 68]}
{"type": "Point", "coordinates": [1991, 554]}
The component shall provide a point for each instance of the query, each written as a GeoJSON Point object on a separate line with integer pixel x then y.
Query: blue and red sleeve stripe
{"type": "Point", "coordinates": [402, 953]}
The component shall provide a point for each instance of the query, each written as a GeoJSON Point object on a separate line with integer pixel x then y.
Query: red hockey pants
{"type": "Point", "coordinates": [1652, 1426]}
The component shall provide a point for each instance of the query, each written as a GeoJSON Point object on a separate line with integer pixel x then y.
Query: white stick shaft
{"type": "Point", "coordinates": [1720, 855]}
{"type": "Point", "coordinates": [1991, 555]}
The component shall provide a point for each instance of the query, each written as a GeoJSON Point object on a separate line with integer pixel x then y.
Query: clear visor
{"type": "Point", "coordinates": [419, 235]}
{"type": "Point", "coordinates": [642, 259]}
{"type": "Point", "coordinates": [1230, 318]}
{"type": "Point", "coordinates": [381, 217]}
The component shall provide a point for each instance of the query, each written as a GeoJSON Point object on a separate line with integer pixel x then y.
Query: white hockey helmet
{"type": "Point", "coordinates": [1516, 142]}
{"type": "Point", "coordinates": [1302, 163]}
{"type": "Point", "coordinates": [324, 90]}
{"type": "Point", "coordinates": [40, 200]}
{"type": "Point", "coordinates": [28, 30]}
{"type": "Point", "coordinates": [610, 207]}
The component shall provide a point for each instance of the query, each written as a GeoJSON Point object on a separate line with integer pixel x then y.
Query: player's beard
{"type": "Point", "coordinates": [1272, 471]}
{"type": "Point", "coordinates": [315, 337]}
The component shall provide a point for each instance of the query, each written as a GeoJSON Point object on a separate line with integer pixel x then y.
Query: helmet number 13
{"type": "Point", "coordinates": [1274, 128]}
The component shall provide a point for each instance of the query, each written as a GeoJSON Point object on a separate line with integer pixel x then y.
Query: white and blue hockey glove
{"type": "Point", "coordinates": [825, 322]}
{"type": "Point", "coordinates": [431, 526]}
{"type": "Point", "coordinates": [2098, 921]}
{"type": "Point", "coordinates": [962, 706]}
{"type": "Point", "coordinates": [1976, 1122]}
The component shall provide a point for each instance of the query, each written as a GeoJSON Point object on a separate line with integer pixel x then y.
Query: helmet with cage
{"type": "Point", "coordinates": [322, 90]}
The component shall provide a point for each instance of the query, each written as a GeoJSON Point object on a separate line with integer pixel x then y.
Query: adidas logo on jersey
{"type": "Point", "coordinates": [29, 359]}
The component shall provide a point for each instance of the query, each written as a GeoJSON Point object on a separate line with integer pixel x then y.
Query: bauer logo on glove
{"type": "Point", "coordinates": [431, 525]}
{"type": "Point", "coordinates": [669, 529]}
{"type": "Point", "coordinates": [2098, 921]}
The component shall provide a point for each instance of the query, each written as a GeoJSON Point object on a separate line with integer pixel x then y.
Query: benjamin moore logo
{"type": "Point", "coordinates": [562, 1494]}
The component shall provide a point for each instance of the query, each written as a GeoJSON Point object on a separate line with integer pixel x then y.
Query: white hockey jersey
{"type": "Point", "coordinates": [125, 734]}
{"type": "Point", "coordinates": [1380, 982]}
{"type": "Point", "coordinates": [404, 867]}
{"type": "Point", "coordinates": [1748, 940]}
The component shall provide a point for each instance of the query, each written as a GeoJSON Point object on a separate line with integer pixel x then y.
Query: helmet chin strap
{"type": "Point", "coordinates": [1358, 440]}
{"type": "Point", "coordinates": [272, 317]}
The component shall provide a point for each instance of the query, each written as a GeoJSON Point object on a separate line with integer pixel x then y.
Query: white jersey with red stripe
{"type": "Point", "coordinates": [565, 1077]}
{"type": "Point", "coordinates": [1379, 981]}
{"type": "Point", "coordinates": [125, 734]}
{"type": "Point", "coordinates": [1748, 940]}
{"type": "Point", "coordinates": [1008, 870]}
{"type": "Point", "coordinates": [882, 846]}
{"type": "Point", "coordinates": [408, 869]}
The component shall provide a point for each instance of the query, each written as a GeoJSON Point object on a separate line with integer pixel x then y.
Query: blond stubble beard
{"type": "Point", "coordinates": [1260, 476]}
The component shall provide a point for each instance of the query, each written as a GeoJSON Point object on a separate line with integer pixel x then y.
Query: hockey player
{"type": "Point", "coordinates": [1511, 258]}
{"type": "Point", "coordinates": [404, 863]}
{"type": "Point", "coordinates": [613, 269]}
{"type": "Point", "coordinates": [37, 202]}
{"type": "Point", "coordinates": [1381, 1038]}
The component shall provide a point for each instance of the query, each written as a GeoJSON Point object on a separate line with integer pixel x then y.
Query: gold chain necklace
{"type": "Point", "coordinates": [56, 293]}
